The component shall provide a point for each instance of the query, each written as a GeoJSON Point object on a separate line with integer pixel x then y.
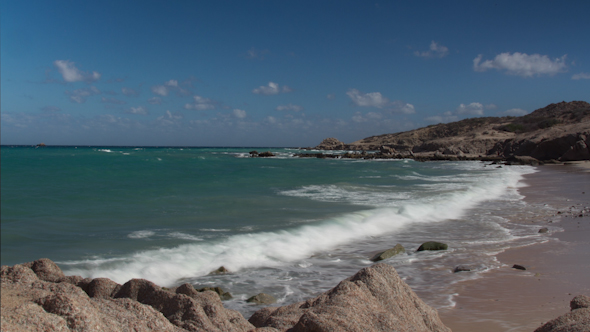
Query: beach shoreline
{"type": "Point", "coordinates": [508, 299]}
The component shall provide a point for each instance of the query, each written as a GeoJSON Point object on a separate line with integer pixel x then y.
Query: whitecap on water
{"type": "Point", "coordinates": [141, 234]}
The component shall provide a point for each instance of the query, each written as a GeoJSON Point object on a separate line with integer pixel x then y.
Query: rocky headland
{"type": "Point", "coordinates": [556, 133]}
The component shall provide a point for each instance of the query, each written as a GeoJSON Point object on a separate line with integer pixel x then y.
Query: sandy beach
{"type": "Point", "coordinates": [556, 270]}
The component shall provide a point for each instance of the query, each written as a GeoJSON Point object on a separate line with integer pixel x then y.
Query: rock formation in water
{"type": "Point", "coordinates": [37, 296]}
{"type": "Point", "coordinates": [374, 299]}
{"type": "Point", "coordinates": [556, 132]}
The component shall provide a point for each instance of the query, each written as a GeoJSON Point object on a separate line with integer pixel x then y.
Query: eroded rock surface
{"type": "Point", "coordinates": [374, 299]}
{"type": "Point", "coordinates": [37, 296]}
{"type": "Point", "coordinates": [577, 320]}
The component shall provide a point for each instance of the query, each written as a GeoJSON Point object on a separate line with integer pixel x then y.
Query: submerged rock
{"type": "Point", "coordinates": [544, 230]}
{"type": "Point", "coordinates": [266, 154]}
{"type": "Point", "coordinates": [519, 267]}
{"type": "Point", "coordinates": [220, 270]}
{"type": "Point", "coordinates": [262, 298]}
{"type": "Point", "coordinates": [461, 268]}
{"type": "Point", "coordinates": [432, 245]}
{"type": "Point", "coordinates": [398, 249]}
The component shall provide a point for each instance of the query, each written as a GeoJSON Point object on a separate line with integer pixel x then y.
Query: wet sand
{"type": "Point", "coordinates": [557, 270]}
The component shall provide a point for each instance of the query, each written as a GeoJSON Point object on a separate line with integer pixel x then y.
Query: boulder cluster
{"type": "Point", "coordinates": [37, 296]}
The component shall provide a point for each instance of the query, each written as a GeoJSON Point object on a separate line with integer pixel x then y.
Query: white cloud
{"type": "Point", "coordinates": [129, 92]}
{"type": "Point", "coordinates": [240, 114]}
{"type": "Point", "coordinates": [581, 76]}
{"type": "Point", "coordinates": [254, 53]}
{"type": "Point", "coordinates": [358, 117]}
{"type": "Point", "coordinates": [79, 95]}
{"type": "Point", "coordinates": [370, 99]}
{"type": "Point", "coordinates": [137, 110]}
{"type": "Point", "coordinates": [401, 107]}
{"type": "Point", "coordinates": [471, 109]}
{"type": "Point", "coordinates": [50, 109]}
{"type": "Point", "coordinates": [70, 73]}
{"type": "Point", "coordinates": [476, 109]}
{"type": "Point", "coordinates": [446, 117]}
{"type": "Point", "coordinates": [170, 119]}
{"type": "Point", "coordinates": [155, 100]}
{"type": "Point", "coordinates": [436, 51]}
{"type": "Point", "coordinates": [172, 83]}
{"type": "Point", "coordinates": [289, 107]}
{"type": "Point", "coordinates": [516, 112]}
{"type": "Point", "coordinates": [271, 89]}
{"type": "Point", "coordinates": [375, 99]}
{"type": "Point", "coordinates": [112, 101]}
{"type": "Point", "coordinates": [522, 64]}
{"type": "Point", "coordinates": [160, 90]}
{"type": "Point", "coordinates": [331, 96]}
{"type": "Point", "coordinates": [201, 104]}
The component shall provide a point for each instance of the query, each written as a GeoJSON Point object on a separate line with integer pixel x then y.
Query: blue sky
{"type": "Point", "coordinates": [278, 73]}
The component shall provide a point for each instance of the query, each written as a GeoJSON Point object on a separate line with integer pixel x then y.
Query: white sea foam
{"type": "Point", "coordinates": [267, 249]}
{"type": "Point", "coordinates": [347, 194]}
{"type": "Point", "coordinates": [104, 150]}
{"type": "Point", "coordinates": [184, 236]}
{"type": "Point", "coordinates": [214, 230]}
{"type": "Point", "coordinates": [141, 234]}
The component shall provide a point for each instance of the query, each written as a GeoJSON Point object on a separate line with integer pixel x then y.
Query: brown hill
{"type": "Point", "coordinates": [558, 131]}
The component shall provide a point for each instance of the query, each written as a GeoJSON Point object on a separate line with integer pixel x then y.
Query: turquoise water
{"type": "Point", "coordinates": [288, 226]}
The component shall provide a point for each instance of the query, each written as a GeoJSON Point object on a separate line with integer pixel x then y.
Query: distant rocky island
{"type": "Point", "coordinates": [556, 133]}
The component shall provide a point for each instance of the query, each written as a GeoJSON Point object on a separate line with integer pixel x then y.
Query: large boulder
{"type": "Point", "coordinates": [577, 320]}
{"type": "Point", "coordinates": [579, 150]}
{"type": "Point", "coordinates": [374, 299]}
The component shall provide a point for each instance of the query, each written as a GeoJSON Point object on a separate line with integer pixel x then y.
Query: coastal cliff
{"type": "Point", "coordinates": [556, 132]}
{"type": "Point", "coordinates": [37, 296]}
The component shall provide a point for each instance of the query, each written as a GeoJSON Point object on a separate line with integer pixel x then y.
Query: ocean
{"type": "Point", "coordinates": [286, 226]}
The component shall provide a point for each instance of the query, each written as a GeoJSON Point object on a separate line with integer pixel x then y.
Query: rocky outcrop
{"type": "Point", "coordinates": [374, 299]}
{"type": "Point", "coordinates": [556, 132]}
{"type": "Point", "coordinates": [37, 296]}
{"type": "Point", "coordinates": [265, 154]}
{"type": "Point", "coordinates": [330, 144]}
{"type": "Point", "coordinates": [577, 320]}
